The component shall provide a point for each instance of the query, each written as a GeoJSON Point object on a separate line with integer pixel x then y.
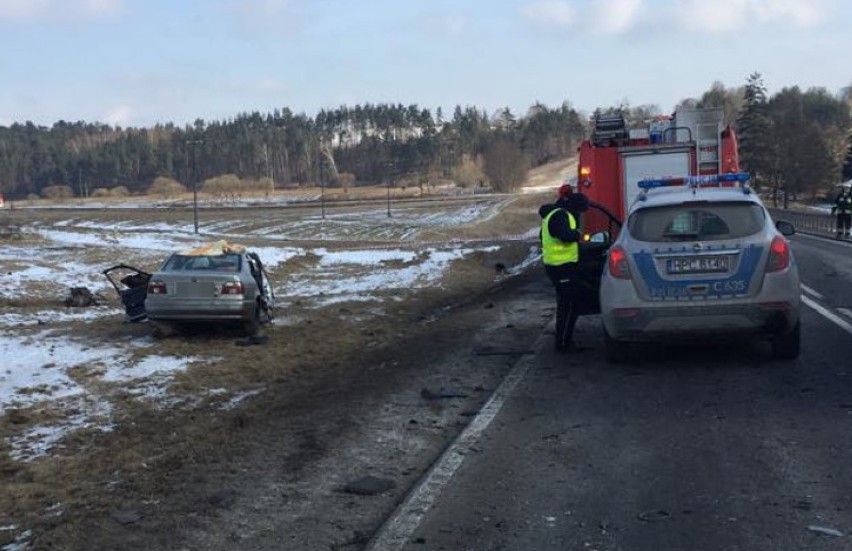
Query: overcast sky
{"type": "Point", "coordinates": [139, 62]}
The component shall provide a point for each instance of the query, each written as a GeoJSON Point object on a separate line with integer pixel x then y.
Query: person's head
{"type": "Point", "coordinates": [576, 203]}
{"type": "Point", "coordinates": [564, 191]}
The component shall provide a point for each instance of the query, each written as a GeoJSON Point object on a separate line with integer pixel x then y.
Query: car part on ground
{"type": "Point", "coordinates": [132, 291]}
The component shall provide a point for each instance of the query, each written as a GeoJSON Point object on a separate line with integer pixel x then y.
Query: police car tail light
{"type": "Point", "coordinates": [618, 267]}
{"type": "Point", "coordinates": [779, 254]}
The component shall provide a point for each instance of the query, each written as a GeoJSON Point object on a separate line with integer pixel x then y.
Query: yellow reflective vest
{"type": "Point", "coordinates": [554, 251]}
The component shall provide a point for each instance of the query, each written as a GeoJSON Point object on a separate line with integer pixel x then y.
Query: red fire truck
{"type": "Point", "coordinates": [691, 142]}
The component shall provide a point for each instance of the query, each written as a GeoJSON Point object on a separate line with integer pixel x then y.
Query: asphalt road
{"type": "Point", "coordinates": [713, 447]}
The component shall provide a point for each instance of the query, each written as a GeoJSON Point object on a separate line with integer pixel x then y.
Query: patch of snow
{"type": "Point", "coordinates": [59, 276]}
{"type": "Point", "coordinates": [21, 542]}
{"type": "Point", "coordinates": [36, 366]}
{"type": "Point", "coordinates": [158, 241]}
{"type": "Point", "coordinates": [238, 398]}
{"type": "Point", "coordinates": [57, 316]}
{"type": "Point", "coordinates": [45, 379]}
{"type": "Point", "coordinates": [328, 284]}
{"type": "Point", "coordinates": [37, 441]}
{"type": "Point", "coordinates": [147, 367]}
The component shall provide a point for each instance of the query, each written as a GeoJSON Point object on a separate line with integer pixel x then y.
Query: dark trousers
{"type": "Point", "coordinates": [563, 278]}
{"type": "Point", "coordinates": [844, 221]}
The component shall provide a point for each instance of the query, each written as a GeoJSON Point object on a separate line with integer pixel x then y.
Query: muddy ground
{"type": "Point", "coordinates": [337, 393]}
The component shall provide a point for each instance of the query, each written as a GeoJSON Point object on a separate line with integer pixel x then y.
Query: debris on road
{"type": "Point", "coordinates": [369, 486]}
{"type": "Point", "coordinates": [654, 516]}
{"type": "Point", "coordinates": [489, 351]}
{"type": "Point", "coordinates": [222, 499]}
{"type": "Point", "coordinates": [825, 531]}
{"type": "Point", "coordinates": [443, 392]}
{"type": "Point", "coordinates": [126, 517]}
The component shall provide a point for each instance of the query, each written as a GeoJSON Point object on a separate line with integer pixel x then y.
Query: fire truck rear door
{"type": "Point", "coordinates": [647, 164]}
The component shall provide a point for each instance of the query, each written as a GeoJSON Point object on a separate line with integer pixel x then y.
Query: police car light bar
{"type": "Point", "coordinates": [696, 181]}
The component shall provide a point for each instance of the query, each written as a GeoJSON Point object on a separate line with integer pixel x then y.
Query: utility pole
{"type": "Point", "coordinates": [390, 177]}
{"type": "Point", "coordinates": [322, 192]}
{"type": "Point", "coordinates": [193, 144]}
{"type": "Point", "coordinates": [269, 170]}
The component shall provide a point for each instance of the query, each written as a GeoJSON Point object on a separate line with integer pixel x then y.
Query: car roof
{"type": "Point", "coordinates": [681, 194]}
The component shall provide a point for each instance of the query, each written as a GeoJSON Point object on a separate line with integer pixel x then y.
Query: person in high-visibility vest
{"type": "Point", "coordinates": [560, 237]}
{"type": "Point", "coordinates": [843, 208]}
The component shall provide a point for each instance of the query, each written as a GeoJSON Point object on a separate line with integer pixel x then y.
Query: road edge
{"type": "Point", "coordinates": [397, 530]}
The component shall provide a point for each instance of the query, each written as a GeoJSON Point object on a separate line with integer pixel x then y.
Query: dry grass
{"type": "Point", "coordinates": [95, 472]}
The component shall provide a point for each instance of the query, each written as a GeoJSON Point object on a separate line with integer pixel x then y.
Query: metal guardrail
{"type": "Point", "coordinates": [819, 223]}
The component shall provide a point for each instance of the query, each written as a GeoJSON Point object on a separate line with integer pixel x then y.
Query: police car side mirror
{"type": "Point", "coordinates": [786, 228]}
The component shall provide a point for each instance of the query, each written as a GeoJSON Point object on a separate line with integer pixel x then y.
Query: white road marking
{"type": "Point", "coordinates": [828, 314]}
{"type": "Point", "coordinates": [397, 531]}
{"type": "Point", "coordinates": [846, 312]}
{"type": "Point", "coordinates": [810, 291]}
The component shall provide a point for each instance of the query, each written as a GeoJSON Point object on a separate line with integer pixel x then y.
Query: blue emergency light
{"type": "Point", "coordinates": [696, 181]}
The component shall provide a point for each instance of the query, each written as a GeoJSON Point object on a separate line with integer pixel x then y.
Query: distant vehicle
{"type": "Point", "coordinates": [216, 283]}
{"type": "Point", "coordinates": [691, 142]}
{"type": "Point", "coordinates": [696, 261]}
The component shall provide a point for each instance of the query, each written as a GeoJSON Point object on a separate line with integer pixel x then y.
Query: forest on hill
{"type": "Point", "coordinates": [797, 141]}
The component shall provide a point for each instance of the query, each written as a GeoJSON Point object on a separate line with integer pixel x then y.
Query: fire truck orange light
{"type": "Point", "coordinates": [585, 171]}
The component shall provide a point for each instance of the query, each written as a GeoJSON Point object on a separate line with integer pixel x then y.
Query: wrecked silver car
{"type": "Point", "coordinates": [218, 282]}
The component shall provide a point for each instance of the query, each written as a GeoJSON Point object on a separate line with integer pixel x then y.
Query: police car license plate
{"type": "Point", "coordinates": [697, 264]}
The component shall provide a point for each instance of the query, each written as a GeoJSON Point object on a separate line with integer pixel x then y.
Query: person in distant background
{"type": "Point", "coordinates": [843, 208]}
{"type": "Point", "coordinates": [560, 237]}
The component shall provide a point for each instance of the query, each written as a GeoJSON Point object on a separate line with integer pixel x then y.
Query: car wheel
{"type": "Point", "coordinates": [252, 326]}
{"type": "Point", "coordinates": [615, 351]}
{"type": "Point", "coordinates": [788, 347]}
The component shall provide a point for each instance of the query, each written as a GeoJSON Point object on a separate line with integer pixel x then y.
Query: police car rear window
{"type": "Point", "coordinates": [697, 222]}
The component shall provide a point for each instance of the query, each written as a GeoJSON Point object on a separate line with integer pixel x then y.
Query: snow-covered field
{"type": "Point", "coordinates": [52, 374]}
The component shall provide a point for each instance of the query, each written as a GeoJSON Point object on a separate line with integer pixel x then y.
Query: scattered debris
{"type": "Point", "coordinates": [443, 392]}
{"type": "Point", "coordinates": [804, 505]}
{"type": "Point", "coordinates": [489, 351]}
{"type": "Point", "coordinates": [128, 516]}
{"type": "Point", "coordinates": [80, 297]}
{"type": "Point", "coordinates": [654, 516]}
{"type": "Point", "coordinates": [222, 499]}
{"type": "Point", "coordinates": [825, 531]}
{"type": "Point", "coordinates": [253, 340]}
{"type": "Point", "coordinates": [369, 486]}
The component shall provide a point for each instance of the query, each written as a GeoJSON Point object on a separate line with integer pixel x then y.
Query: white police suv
{"type": "Point", "coordinates": [700, 257]}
